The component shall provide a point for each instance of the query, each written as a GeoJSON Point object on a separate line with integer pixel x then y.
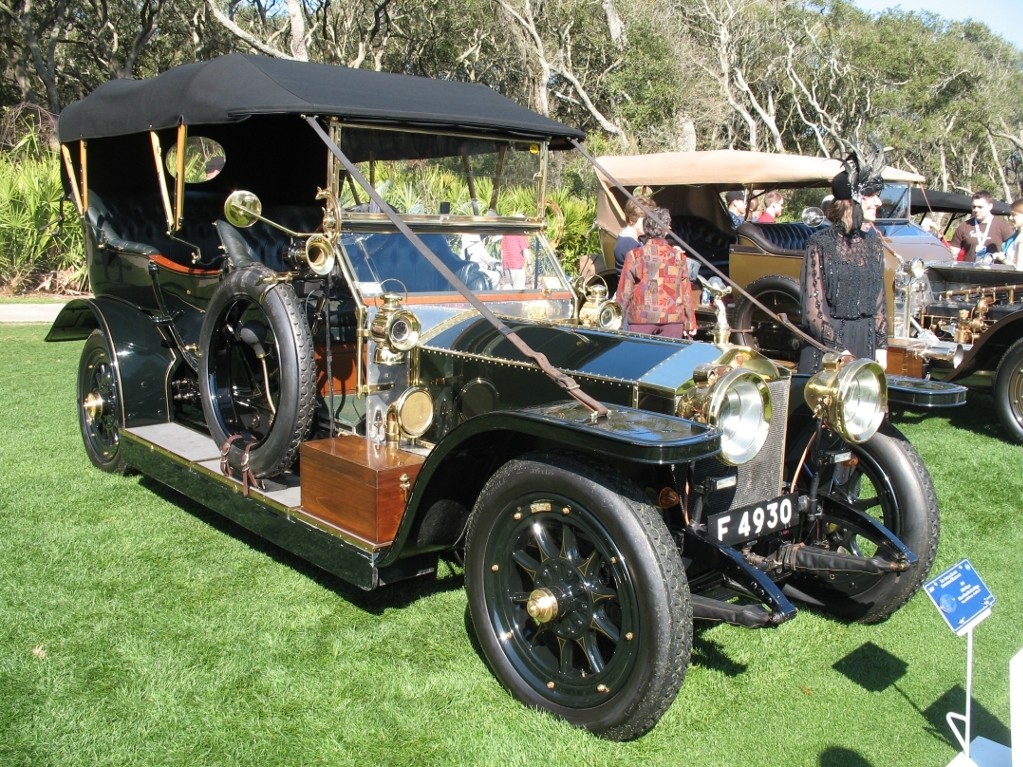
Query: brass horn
{"type": "Point", "coordinates": [319, 254]}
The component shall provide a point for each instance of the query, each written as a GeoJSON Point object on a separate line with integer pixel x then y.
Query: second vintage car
{"type": "Point", "coordinates": [960, 324]}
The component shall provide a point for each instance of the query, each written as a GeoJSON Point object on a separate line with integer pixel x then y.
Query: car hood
{"type": "Point", "coordinates": [910, 243]}
{"type": "Point", "coordinates": [653, 362]}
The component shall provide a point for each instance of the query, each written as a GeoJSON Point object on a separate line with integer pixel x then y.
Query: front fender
{"type": "Point", "coordinates": [625, 435]}
{"type": "Point", "coordinates": [141, 355]}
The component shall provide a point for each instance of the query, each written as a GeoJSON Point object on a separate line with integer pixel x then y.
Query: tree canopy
{"type": "Point", "coordinates": [806, 76]}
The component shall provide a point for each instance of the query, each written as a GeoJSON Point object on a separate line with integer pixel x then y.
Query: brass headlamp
{"type": "Point", "coordinates": [850, 397]}
{"type": "Point", "coordinates": [737, 401]}
{"type": "Point", "coordinates": [599, 311]}
{"type": "Point", "coordinates": [411, 415]}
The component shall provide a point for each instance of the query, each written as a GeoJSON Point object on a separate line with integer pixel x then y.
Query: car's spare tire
{"type": "Point", "coordinates": [256, 373]}
{"type": "Point", "coordinates": [756, 329]}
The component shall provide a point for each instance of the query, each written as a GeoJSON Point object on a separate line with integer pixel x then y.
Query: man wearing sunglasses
{"type": "Point", "coordinates": [980, 237]}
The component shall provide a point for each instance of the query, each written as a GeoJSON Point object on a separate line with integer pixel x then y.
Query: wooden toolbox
{"type": "Point", "coordinates": [357, 485]}
{"type": "Point", "coordinates": [904, 362]}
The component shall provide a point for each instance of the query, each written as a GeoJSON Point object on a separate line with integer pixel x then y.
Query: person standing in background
{"type": "Point", "coordinates": [1012, 248]}
{"type": "Point", "coordinates": [736, 200]}
{"type": "Point", "coordinates": [631, 234]}
{"type": "Point", "coordinates": [773, 204]}
{"type": "Point", "coordinates": [514, 250]}
{"type": "Point", "coordinates": [654, 292]}
{"type": "Point", "coordinates": [979, 238]}
{"type": "Point", "coordinates": [842, 278]}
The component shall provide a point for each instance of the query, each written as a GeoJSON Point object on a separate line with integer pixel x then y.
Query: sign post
{"type": "Point", "coordinates": [964, 601]}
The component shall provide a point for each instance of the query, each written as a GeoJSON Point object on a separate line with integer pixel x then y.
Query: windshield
{"type": "Point", "coordinates": [452, 176]}
{"type": "Point", "coordinates": [495, 262]}
{"type": "Point", "coordinates": [902, 229]}
{"type": "Point", "coordinates": [894, 201]}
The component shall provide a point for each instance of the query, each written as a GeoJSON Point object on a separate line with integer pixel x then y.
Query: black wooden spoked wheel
{"type": "Point", "coordinates": [888, 481]}
{"type": "Point", "coordinates": [578, 594]}
{"type": "Point", "coordinates": [1008, 392]}
{"type": "Point", "coordinates": [99, 405]}
{"type": "Point", "coordinates": [257, 374]}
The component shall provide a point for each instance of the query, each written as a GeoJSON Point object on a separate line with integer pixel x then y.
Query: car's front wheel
{"type": "Point", "coordinates": [578, 594]}
{"type": "Point", "coordinates": [885, 479]}
{"type": "Point", "coordinates": [1008, 392]}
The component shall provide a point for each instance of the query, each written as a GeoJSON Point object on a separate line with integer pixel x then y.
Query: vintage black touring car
{"type": "Point", "coordinates": [324, 306]}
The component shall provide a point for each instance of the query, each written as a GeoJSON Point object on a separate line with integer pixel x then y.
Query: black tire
{"type": "Point", "coordinates": [754, 328]}
{"type": "Point", "coordinates": [271, 409]}
{"type": "Point", "coordinates": [99, 404]}
{"type": "Point", "coordinates": [1008, 392]}
{"type": "Point", "coordinates": [891, 483]}
{"type": "Point", "coordinates": [614, 656]}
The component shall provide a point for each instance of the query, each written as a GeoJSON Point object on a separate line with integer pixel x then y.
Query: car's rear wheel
{"type": "Point", "coordinates": [1008, 391]}
{"type": "Point", "coordinates": [758, 330]}
{"type": "Point", "coordinates": [256, 374]}
{"type": "Point", "coordinates": [99, 404]}
{"type": "Point", "coordinates": [886, 480]}
{"type": "Point", "coordinates": [578, 594]}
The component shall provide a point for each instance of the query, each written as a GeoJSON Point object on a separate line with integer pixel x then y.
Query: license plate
{"type": "Point", "coordinates": [748, 522]}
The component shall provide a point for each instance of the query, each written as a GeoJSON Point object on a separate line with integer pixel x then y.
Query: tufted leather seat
{"type": "Point", "coordinates": [787, 238]}
{"type": "Point", "coordinates": [709, 241]}
{"type": "Point", "coordinates": [267, 244]}
{"type": "Point", "coordinates": [138, 224]}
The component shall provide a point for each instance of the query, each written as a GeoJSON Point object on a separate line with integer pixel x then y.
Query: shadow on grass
{"type": "Point", "coordinates": [875, 669]}
{"type": "Point", "coordinates": [446, 577]}
{"type": "Point", "coordinates": [836, 756]}
{"type": "Point", "coordinates": [708, 654]}
{"type": "Point", "coordinates": [983, 723]}
{"type": "Point", "coordinates": [871, 667]}
{"type": "Point", "coordinates": [977, 416]}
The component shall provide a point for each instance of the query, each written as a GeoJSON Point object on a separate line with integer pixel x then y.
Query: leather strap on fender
{"type": "Point", "coordinates": [225, 450]}
{"type": "Point", "coordinates": [248, 479]}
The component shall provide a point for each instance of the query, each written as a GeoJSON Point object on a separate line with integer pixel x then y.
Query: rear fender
{"type": "Point", "coordinates": [140, 353]}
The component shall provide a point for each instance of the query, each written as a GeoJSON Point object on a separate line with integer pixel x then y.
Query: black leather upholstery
{"type": "Point", "coordinates": [267, 244]}
{"type": "Point", "coordinates": [789, 238]}
{"type": "Point", "coordinates": [705, 238]}
{"type": "Point", "coordinates": [239, 253]}
{"type": "Point", "coordinates": [138, 224]}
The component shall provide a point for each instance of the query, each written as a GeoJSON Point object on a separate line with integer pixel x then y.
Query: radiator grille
{"type": "Point", "coordinates": [761, 478]}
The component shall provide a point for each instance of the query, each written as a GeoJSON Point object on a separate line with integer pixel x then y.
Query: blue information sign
{"type": "Point", "coordinates": [960, 596]}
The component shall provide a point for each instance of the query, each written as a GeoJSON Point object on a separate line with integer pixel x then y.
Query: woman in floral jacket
{"type": "Point", "coordinates": [654, 290]}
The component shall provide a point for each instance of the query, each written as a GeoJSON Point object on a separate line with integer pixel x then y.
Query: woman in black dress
{"type": "Point", "coordinates": [843, 274]}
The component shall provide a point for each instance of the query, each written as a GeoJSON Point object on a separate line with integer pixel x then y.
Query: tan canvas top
{"type": "Point", "coordinates": [733, 168]}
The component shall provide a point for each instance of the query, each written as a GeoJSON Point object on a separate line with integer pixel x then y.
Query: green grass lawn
{"type": "Point", "coordinates": [136, 628]}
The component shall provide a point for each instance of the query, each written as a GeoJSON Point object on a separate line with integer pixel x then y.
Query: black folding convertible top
{"type": "Point", "coordinates": [924, 200]}
{"type": "Point", "coordinates": [235, 87]}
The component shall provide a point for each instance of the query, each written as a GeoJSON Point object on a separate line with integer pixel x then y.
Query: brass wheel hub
{"type": "Point", "coordinates": [93, 405]}
{"type": "Point", "coordinates": [542, 606]}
